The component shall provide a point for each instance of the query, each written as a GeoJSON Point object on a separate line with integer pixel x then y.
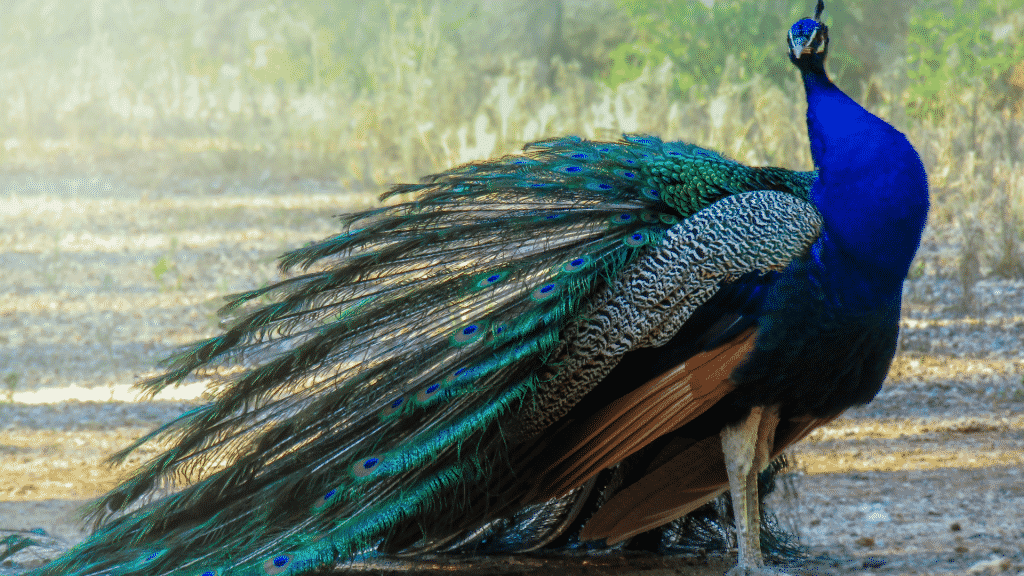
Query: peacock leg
{"type": "Point", "coordinates": [746, 446]}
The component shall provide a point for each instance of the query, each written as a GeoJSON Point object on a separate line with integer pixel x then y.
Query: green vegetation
{"type": "Point", "coordinates": [957, 48]}
{"type": "Point", "coordinates": [11, 384]}
{"type": "Point", "coordinates": [699, 37]}
{"type": "Point", "coordinates": [699, 40]}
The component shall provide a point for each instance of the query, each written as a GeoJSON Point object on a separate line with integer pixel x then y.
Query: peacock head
{"type": "Point", "coordinates": [808, 41]}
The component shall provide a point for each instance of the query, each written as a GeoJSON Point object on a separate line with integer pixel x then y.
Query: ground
{"type": "Point", "coordinates": [104, 277]}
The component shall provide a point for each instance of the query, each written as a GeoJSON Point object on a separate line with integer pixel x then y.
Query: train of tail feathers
{"type": "Point", "coordinates": [575, 346]}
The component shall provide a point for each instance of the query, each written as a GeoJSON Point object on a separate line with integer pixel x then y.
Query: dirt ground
{"type": "Point", "coordinates": [103, 278]}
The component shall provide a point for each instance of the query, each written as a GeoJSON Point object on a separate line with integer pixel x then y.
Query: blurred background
{"type": "Point", "coordinates": [158, 155]}
{"type": "Point", "coordinates": [374, 93]}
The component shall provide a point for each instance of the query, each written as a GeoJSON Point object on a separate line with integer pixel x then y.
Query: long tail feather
{"type": "Point", "coordinates": [410, 353]}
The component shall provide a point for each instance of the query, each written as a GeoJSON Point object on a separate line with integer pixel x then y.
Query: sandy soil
{"type": "Point", "coordinates": [104, 278]}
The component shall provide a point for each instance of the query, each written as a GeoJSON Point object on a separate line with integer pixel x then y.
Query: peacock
{"type": "Point", "coordinates": [570, 347]}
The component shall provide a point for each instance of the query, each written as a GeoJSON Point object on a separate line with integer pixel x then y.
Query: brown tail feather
{"type": "Point", "coordinates": [686, 480]}
{"type": "Point", "coordinates": [632, 421]}
{"type": "Point", "coordinates": [686, 474]}
{"type": "Point", "coordinates": [681, 485]}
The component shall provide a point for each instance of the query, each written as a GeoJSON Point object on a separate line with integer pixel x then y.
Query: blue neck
{"type": "Point", "coordinates": [871, 191]}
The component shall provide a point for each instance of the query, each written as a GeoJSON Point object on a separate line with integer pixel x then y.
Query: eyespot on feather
{"type": "Point", "coordinates": [576, 264]}
{"type": "Point", "coordinates": [635, 239]}
{"type": "Point", "coordinates": [545, 291]}
{"type": "Point", "coordinates": [277, 564]}
{"type": "Point", "coordinates": [428, 393]}
{"type": "Point", "coordinates": [325, 500]}
{"type": "Point", "coordinates": [393, 407]}
{"type": "Point", "coordinates": [651, 193]}
{"type": "Point", "coordinates": [488, 279]}
{"type": "Point", "coordinates": [364, 468]}
{"type": "Point", "coordinates": [469, 333]}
